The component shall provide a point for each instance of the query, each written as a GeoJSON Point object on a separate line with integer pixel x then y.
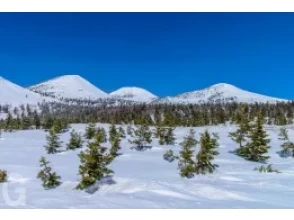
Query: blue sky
{"type": "Point", "coordinates": [166, 53]}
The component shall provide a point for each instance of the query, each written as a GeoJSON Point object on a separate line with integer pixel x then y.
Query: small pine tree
{"type": "Point", "coordinates": [169, 156]}
{"type": "Point", "coordinates": [268, 169]}
{"type": "Point", "coordinates": [94, 162]}
{"type": "Point", "coordinates": [3, 176]}
{"type": "Point", "coordinates": [287, 146]}
{"type": "Point", "coordinates": [130, 130]}
{"type": "Point", "coordinates": [102, 133]}
{"type": "Point", "coordinates": [50, 179]}
{"type": "Point", "coordinates": [142, 137]}
{"type": "Point", "coordinates": [75, 141]}
{"type": "Point", "coordinates": [169, 137]}
{"type": "Point", "coordinates": [115, 146]}
{"type": "Point", "coordinates": [186, 163]}
{"type": "Point", "coordinates": [121, 132]}
{"type": "Point", "coordinates": [53, 142]}
{"type": "Point", "coordinates": [208, 149]}
{"type": "Point", "coordinates": [112, 133]}
{"type": "Point", "coordinates": [90, 131]}
{"type": "Point", "coordinates": [258, 144]}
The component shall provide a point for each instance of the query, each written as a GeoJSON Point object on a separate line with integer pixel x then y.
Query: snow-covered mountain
{"type": "Point", "coordinates": [134, 94]}
{"type": "Point", "coordinates": [69, 87]}
{"type": "Point", "coordinates": [15, 95]}
{"type": "Point", "coordinates": [220, 93]}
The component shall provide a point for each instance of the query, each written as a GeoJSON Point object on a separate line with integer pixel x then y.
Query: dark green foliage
{"type": "Point", "coordinates": [266, 169]}
{"type": "Point", "coordinates": [90, 131]}
{"type": "Point", "coordinates": [165, 135]}
{"type": "Point", "coordinates": [257, 146]}
{"type": "Point", "coordinates": [287, 146]}
{"type": "Point", "coordinates": [205, 156]}
{"type": "Point", "coordinates": [49, 178]}
{"type": "Point", "coordinates": [53, 142]}
{"type": "Point", "coordinates": [3, 176]}
{"type": "Point", "coordinates": [169, 156]}
{"type": "Point", "coordinates": [142, 137]}
{"type": "Point", "coordinates": [186, 163]}
{"type": "Point", "coordinates": [113, 133]}
{"type": "Point", "coordinates": [94, 163]}
{"type": "Point", "coordinates": [115, 146]}
{"type": "Point", "coordinates": [60, 126]}
{"type": "Point", "coordinates": [75, 141]}
{"type": "Point", "coordinates": [121, 132]}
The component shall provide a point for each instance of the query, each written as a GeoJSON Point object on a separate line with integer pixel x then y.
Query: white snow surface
{"type": "Point", "coordinates": [70, 86]}
{"type": "Point", "coordinates": [145, 179]}
{"type": "Point", "coordinates": [134, 94]}
{"type": "Point", "coordinates": [16, 95]}
{"type": "Point", "coordinates": [220, 93]}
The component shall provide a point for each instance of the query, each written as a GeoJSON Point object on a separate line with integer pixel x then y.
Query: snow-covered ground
{"type": "Point", "coordinates": [144, 179]}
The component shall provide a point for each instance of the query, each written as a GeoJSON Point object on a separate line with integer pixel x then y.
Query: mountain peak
{"type": "Point", "coordinates": [69, 86]}
{"type": "Point", "coordinates": [134, 93]}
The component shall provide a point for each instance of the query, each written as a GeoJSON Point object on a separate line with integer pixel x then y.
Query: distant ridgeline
{"type": "Point", "coordinates": [25, 117]}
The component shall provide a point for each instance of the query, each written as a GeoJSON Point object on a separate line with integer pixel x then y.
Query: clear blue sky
{"type": "Point", "coordinates": [166, 53]}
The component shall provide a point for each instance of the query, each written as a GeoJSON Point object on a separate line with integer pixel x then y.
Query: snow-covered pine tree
{"type": "Point", "coordinates": [90, 131]}
{"type": "Point", "coordinates": [3, 176]}
{"type": "Point", "coordinates": [49, 178]}
{"type": "Point", "coordinates": [101, 131]}
{"type": "Point", "coordinates": [208, 149]}
{"type": "Point", "coordinates": [169, 137]}
{"type": "Point", "coordinates": [142, 137]}
{"type": "Point", "coordinates": [257, 146]}
{"type": "Point", "coordinates": [53, 142]}
{"type": "Point", "coordinates": [122, 133]}
{"type": "Point", "coordinates": [75, 141]}
{"type": "Point", "coordinates": [115, 146]}
{"type": "Point", "coordinates": [186, 163]}
{"type": "Point", "coordinates": [287, 146]}
{"type": "Point", "coordinates": [94, 163]}
{"type": "Point", "coordinates": [112, 133]}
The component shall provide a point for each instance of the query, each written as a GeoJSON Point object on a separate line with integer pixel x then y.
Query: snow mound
{"type": "Point", "coordinates": [15, 95]}
{"type": "Point", "coordinates": [134, 94]}
{"type": "Point", "coordinates": [70, 87]}
{"type": "Point", "coordinates": [220, 93]}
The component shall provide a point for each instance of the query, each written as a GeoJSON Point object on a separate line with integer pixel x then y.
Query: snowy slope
{"type": "Point", "coordinates": [16, 95]}
{"type": "Point", "coordinates": [69, 86]}
{"type": "Point", "coordinates": [220, 93]}
{"type": "Point", "coordinates": [144, 179]}
{"type": "Point", "coordinates": [134, 94]}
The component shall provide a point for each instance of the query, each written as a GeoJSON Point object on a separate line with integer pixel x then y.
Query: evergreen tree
{"type": "Point", "coordinates": [169, 137]}
{"type": "Point", "coordinates": [102, 133]}
{"type": "Point", "coordinates": [169, 156]}
{"type": "Point", "coordinates": [115, 146]}
{"type": "Point", "coordinates": [113, 133]}
{"type": "Point", "coordinates": [130, 130]}
{"type": "Point", "coordinates": [142, 137]}
{"type": "Point", "coordinates": [3, 176]}
{"type": "Point", "coordinates": [75, 141]}
{"type": "Point", "coordinates": [49, 178]}
{"type": "Point", "coordinates": [121, 132]}
{"type": "Point", "coordinates": [287, 146]}
{"type": "Point", "coordinates": [53, 142]}
{"type": "Point", "coordinates": [90, 131]}
{"type": "Point", "coordinates": [258, 143]}
{"type": "Point", "coordinates": [208, 149]}
{"type": "Point", "coordinates": [94, 164]}
{"type": "Point", "coordinates": [186, 163]}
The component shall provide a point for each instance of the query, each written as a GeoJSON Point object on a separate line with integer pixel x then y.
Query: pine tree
{"type": "Point", "coordinates": [50, 179]}
{"type": "Point", "coordinates": [287, 146]}
{"type": "Point", "coordinates": [130, 130]}
{"type": "Point", "coordinates": [208, 149]}
{"type": "Point", "coordinates": [75, 141]}
{"type": "Point", "coordinates": [186, 163]}
{"type": "Point", "coordinates": [90, 131]}
{"type": "Point", "coordinates": [112, 133]}
{"type": "Point", "coordinates": [53, 142]}
{"type": "Point", "coordinates": [115, 146]}
{"type": "Point", "coordinates": [3, 176]}
{"type": "Point", "coordinates": [169, 156]}
{"type": "Point", "coordinates": [169, 137]}
{"type": "Point", "coordinates": [142, 137]}
{"type": "Point", "coordinates": [258, 143]}
{"type": "Point", "coordinates": [102, 133]}
{"type": "Point", "coordinates": [121, 132]}
{"type": "Point", "coordinates": [94, 162]}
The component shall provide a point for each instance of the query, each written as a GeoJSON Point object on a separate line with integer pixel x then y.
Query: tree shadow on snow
{"type": "Point", "coordinates": [107, 180]}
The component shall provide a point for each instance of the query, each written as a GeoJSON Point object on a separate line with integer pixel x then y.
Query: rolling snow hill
{"type": "Point", "coordinates": [16, 95]}
{"type": "Point", "coordinates": [220, 93]}
{"type": "Point", "coordinates": [133, 94]}
{"type": "Point", "coordinates": [69, 87]}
